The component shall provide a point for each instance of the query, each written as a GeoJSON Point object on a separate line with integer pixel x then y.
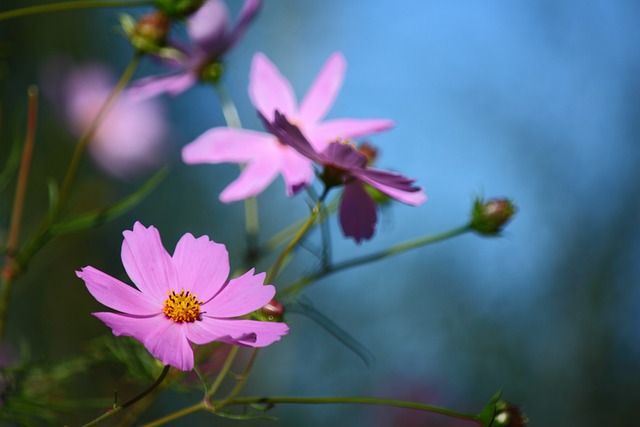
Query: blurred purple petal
{"type": "Point", "coordinates": [247, 14]}
{"type": "Point", "coordinates": [358, 212]}
{"type": "Point", "coordinates": [394, 185]}
{"type": "Point", "coordinates": [331, 130]}
{"type": "Point", "coordinates": [344, 156]}
{"type": "Point", "coordinates": [173, 84]}
{"type": "Point", "coordinates": [207, 27]}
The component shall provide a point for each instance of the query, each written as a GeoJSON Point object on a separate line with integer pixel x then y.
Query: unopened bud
{"type": "Point", "coordinates": [490, 217]}
{"type": "Point", "coordinates": [149, 34]}
{"type": "Point", "coordinates": [509, 415]}
{"type": "Point", "coordinates": [273, 311]}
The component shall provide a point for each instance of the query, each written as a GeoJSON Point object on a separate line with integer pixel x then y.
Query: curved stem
{"type": "Point", "coordinates": [393, 250]}
{"type": "Point", "coordinates": [130, 402]}
{"type": "Point", "coordinates": [201, 406]}
{"type": "Point", "coordinates": [71, 5]}
{"type": "Point", "coordinates": [241, 380]}
{"type": "Point", "coordinates": [273, 273]}
{"type": "Point", "coordinates": [357, 401]}
{"type": "Point", "coordinates": [223, 372]}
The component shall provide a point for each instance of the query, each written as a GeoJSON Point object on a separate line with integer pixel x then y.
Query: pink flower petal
{"type": "Point", "coordinates": [268, 89]}
{"type": "Point", "coordinates": [251, 333]}
{"type": "Point", "coordinates": [242, 295]}
{"type": "Point", "coordinates": [208, 25]}
{"type": "Point", "coordinates": [297, 170]}
{"type": "Point", "coordinates": [222, 144]}
{"type": "Point", "coordinates": [147, 262]}
{"type": "Point", "coordinates": [324, 90]}
{"type": "Point", "coordinates": [202, 266]}
{"type": "Point", "coordinates": [413, 198]}
{"type": "Point", "coordinates": [117, 295]}
{"type": "Point", "coordinates": [358, 212]}
{"type": "Point", "coordinates": [331, 130]}
{"type": "Point", "coordinates": [173, 84]}
{"type": "Point", "coordinates": [254, 178]}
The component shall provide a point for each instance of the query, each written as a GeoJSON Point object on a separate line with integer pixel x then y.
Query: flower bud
{"type": "Point", "coordinates": [490, 217]}
{"type": "Point", "coordinates": [273, 311]}
{"type": "Point", "coordinates": [149, 34]}
{"type": "Point", "coordinates": [509, 415]}
{"type": "Point", "coordinates": [211, 72]}
{"type": "Point", "coordinates": [178, 8]}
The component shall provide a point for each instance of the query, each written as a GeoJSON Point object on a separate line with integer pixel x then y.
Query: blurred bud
{"type": "Point", "coordinates": [178, 8]}
{"type": "Point", "coordinates": [149, 34]}
{"type": "Point", "coordinates": [273, 311]}
{"type": "Point", "coordinates": [490, 217]}
{"type": "Point", "coordinates": [509, 415]}
{"type": "Point", "coordinates": [211, 72]}
{"type": "Point", "coordinates": [370, 151]}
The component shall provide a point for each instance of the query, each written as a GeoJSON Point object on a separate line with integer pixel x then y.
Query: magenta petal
{"type": "Point", "coordinates": [297, 170]}
{"type": "Point", "coordinates": [358, 212]}
{"type": "Point", "coordinates": [250, 333]}
{"type": "Point", "coordinates": [140, 328]}
{"type": "Point", "coordinates": [324, 90]}
{"type": "Point", "coordinates": [331, 130]}
{"type": "Point", "coordinates": [117, 295]}
{"type": "Point", "coordinates": [254, 178]}
{"type": "Point", "coordinates": [221, 144]}
{"type": "Point", "coordinates": [147, 262]}
{"type": "Point", "coordinates": [242, 295]}
{"type": "Point", "coordinates": [268, 89]}
{"type": "Point", "coordinates": [202, 266]}
{"type": "Point", "coordinates": [173, 84]}
{"type": "Point", "coordinates": [394, 185]}
{"type": "Point", "coordinates": [207, 27]}
{"type": "Point", "coordinates": [170, 346]}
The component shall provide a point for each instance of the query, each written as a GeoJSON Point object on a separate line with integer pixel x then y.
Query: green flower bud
{"type": "Point", "coordinates": [149, 34]}
{"type": "Point", "coordinates": [490, 217]}
{"type": "Point", "coordinates": [212, 72]}
{"type": "Point", "coordinates": [508, 415]}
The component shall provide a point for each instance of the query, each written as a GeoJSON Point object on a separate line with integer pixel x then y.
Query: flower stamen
{"type": "Point", "coordinates": [182, 307]}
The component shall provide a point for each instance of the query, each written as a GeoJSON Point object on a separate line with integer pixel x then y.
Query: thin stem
{"type": "Point", "coordinates": [88, 134]}
{"type": "Point", "coordinates": [273, 273]}
{"type": "Point", "coordinates": [357, 401]}
{"type": "Point", "coordinates": [9, 270]}
{"type": "Point", "coordinates": [393, 250]}
{"type": "Point", "coordinates": [201, 406]}
{"type": "Point", "coordinates": [71, 5]}
{"type": "Point", "coordinates": [252, 225]}
{"type": "Point", "coordinates": [241, 380]}
{"type": "Point", "coordinates": [223, 372]}
{"type": "Point", "coordinates": [130, 402]}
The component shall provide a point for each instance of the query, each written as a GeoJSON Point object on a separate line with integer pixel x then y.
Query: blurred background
{"type": "Point", "coordinates": [537, 101]}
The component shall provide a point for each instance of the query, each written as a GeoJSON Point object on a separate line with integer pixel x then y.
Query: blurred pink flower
{"type": "Point", "coordinates": [207, 29]}
{"type": "Point", "coordinates": [182, 299]}
{"type": "Point", "coordinates": [266, 157]}
{"type": "Point", "coordinates": [131, 137]}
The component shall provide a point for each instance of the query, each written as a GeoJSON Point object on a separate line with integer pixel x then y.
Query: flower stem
{"type": "Point", "coordinates": [357, 401]}
{"type": "Point", "coordinates": [71, 5]}
{"type": "Point", "coordinates": [223, 372]}
{"type": "Point", "coordinates": [393, 250]}
{"type": "Point", "coordinates": [178, 414]}
{"type": "Point", "coordinates": [130, 402]}
{"type": "Point", "coordinates": [273, 273]}
{"type": "Point", "coordinates": [10, 268]}
{"type": "Point", "coordinates": [241, 380]}
{"type": "Point", "coordinates": [252, 225]}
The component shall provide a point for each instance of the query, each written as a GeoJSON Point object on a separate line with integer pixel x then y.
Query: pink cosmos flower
{"type": "Point", "coordinates": [181, 298]}
{"type": "Point", "coordinates": [207, 29]}
{"type": "Point", "coordinates": [131, 137]}
{"type": "Point", "coordinates": [265, 156]}
{"type": "Point", "coordinates": [344, 165]}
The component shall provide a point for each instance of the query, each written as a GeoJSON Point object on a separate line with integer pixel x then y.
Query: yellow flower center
{"type": "Point", "coordinates": [182, 307]}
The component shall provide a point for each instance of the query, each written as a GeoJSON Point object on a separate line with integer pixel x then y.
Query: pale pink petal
{"type": "Point", "coordinates": [173, 84]}
{"type": "Point", "coordinates": [254, 178]}
{"type": "Point", "coordinates": [117, 295]}
{"type": "Point", "coordinates": [297, 170]}
{"type": "Point", "coordinates": [269, 90]}
{"type": "Point", "coordinates": [222, 144]}
{"type": "Point", "coordinates": [202, 266]}
{"type": "Point", "coordinates": [324, 90]}
{"type": "Point", "coordinates": [208, 25]}
{"type": "Point", "coordinates": [413, 198]}
{"type": "Point", "coordinates": [147, 263]}
{"type": "Point", "coordinates": [332, 130]}
{"type": "Point", "coordinates": [250, 333]}
{"type": "Point", "coordinates": [358, 212]}
{"type": "Point", "coordinates": [242, 295]}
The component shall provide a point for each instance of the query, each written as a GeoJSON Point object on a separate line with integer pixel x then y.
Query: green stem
{"type": "Point", "coordinates": [223, 372]}
{"type": "Point", "coordinates": [130, 402]}
{"type": "Point", "coordinates": [71, 5]}
{"type": "Point", "coordinates": [88, 134]}
{"type": "Point", "coordinates": [357, 401]}
{"type": "Point", "coordinates": [252, 225]}
{"type": "Point", "coordinates": [393, 250]}
{"type": "Point", "coordinates": [201, 406]}
{"type": "Point", "coordinates": [241, 380]}
{"type": "Point", "coordinates": [273, 273]}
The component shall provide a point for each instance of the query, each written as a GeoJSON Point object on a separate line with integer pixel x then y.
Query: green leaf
{"type": "Point", "coordinates": [488, 413]}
